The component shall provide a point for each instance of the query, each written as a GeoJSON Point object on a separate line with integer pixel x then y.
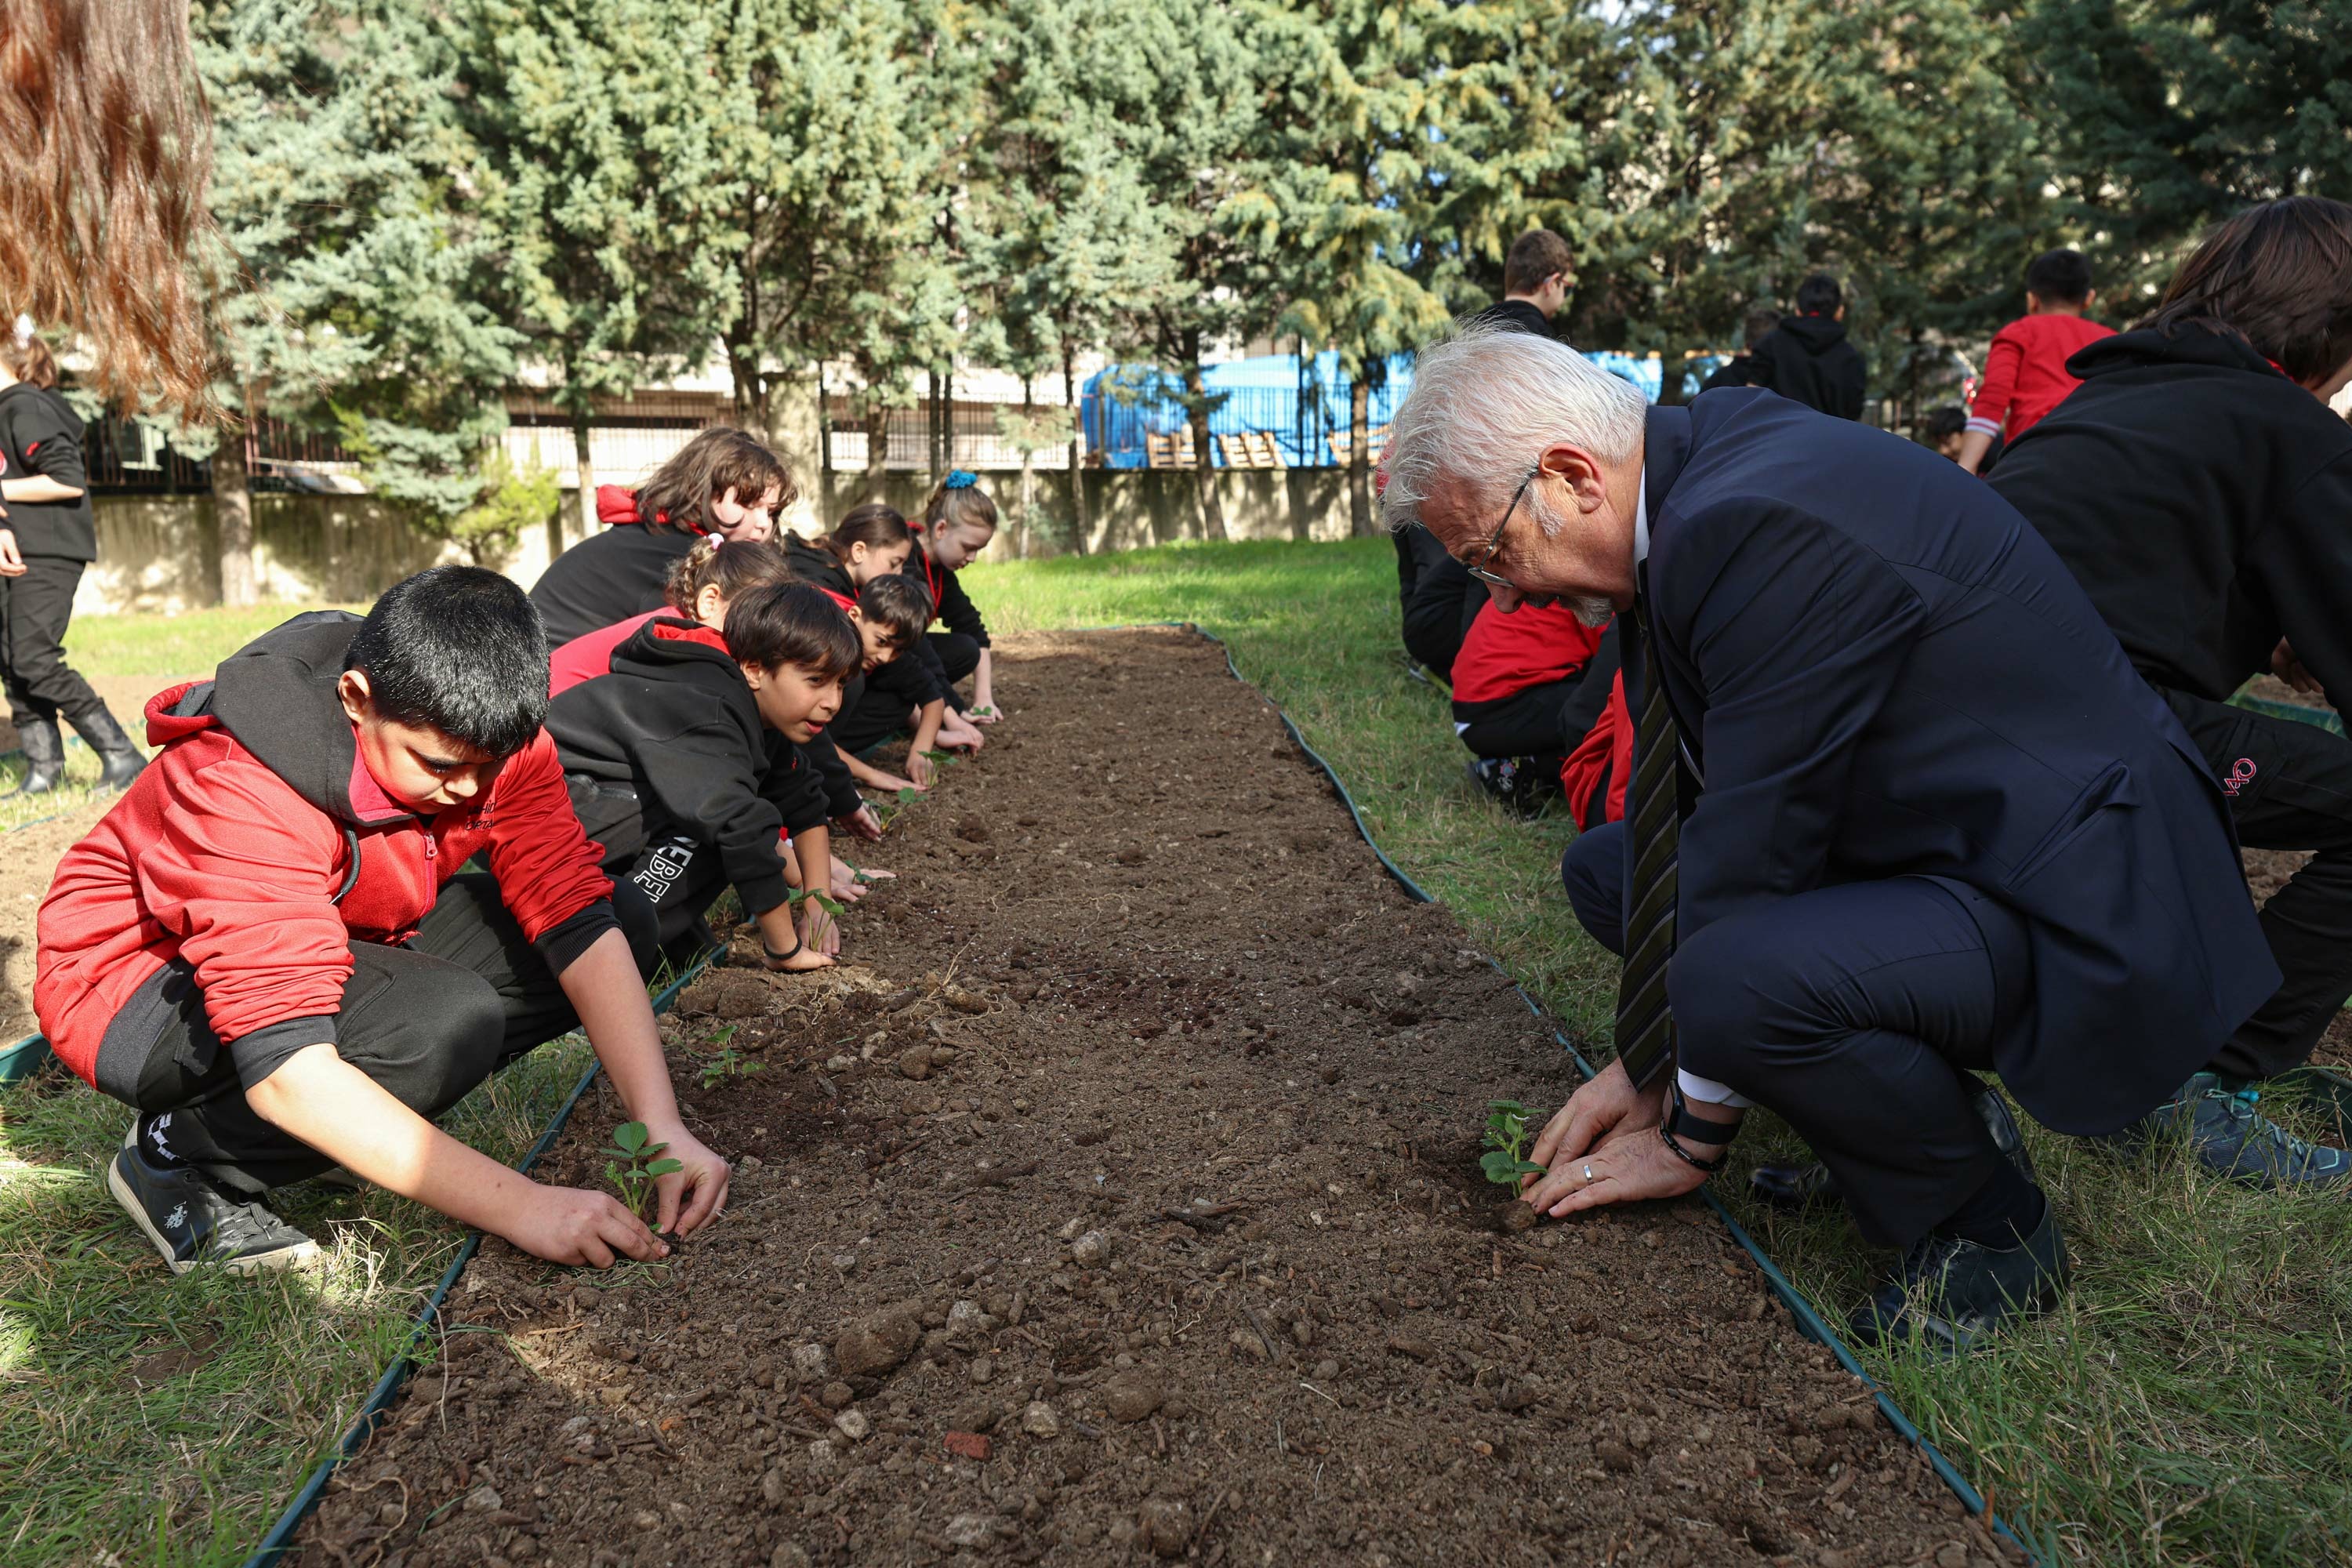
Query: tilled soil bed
{"type": "Point", "coordinates": [1120, 1201]}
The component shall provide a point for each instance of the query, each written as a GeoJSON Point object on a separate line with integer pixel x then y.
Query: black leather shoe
{"type": "Point", "coordinates": [1952, 1295]}
{"type": "Point", "coordinates": [1801, 1186]}
{"type": "Point", "coordinates": [45, 756]}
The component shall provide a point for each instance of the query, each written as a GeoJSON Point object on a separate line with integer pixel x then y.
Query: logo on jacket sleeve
{"type": "Point", "coordinates": [2241, 773]}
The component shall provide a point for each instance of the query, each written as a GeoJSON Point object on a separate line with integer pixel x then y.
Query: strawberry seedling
{"type": "Point", "coordinates": [1505, 1161]}
{"type": "Point", "coordinates": [633, 1162]}
{"type": "Point", "coordinates": [728, 1063]}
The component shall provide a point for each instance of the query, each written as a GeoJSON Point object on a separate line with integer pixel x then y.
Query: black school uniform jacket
{"type": "Point", "coordinates": [950, 604]}
{"type": "Point", "coordinates": [620, 573]}
{"type": "Point", "coordinates": [671, 741]}
{"type": "Point", "coordinates": [915, 678]}
{"type": "Point", "coordinates": [1807, 359]}
{"type": "Point", "coordinates": [41, 435]}
{"type": "Point", "coordinates": [2204, 501]}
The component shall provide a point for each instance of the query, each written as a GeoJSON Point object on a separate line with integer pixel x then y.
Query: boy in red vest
{"type": "Point", "coordinates": [266, 947]}
{"type": "Point", "coordinates": [2025, 370]}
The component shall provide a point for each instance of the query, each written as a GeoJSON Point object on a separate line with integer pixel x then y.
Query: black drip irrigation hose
{"type": "Point", "coordinates": [1810, 1321]}
{"type": "Point", "coordinates": [275, 1544]}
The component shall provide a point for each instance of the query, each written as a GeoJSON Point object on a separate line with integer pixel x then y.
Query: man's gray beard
{"type": "Point", "coordinates": [1592, 612]}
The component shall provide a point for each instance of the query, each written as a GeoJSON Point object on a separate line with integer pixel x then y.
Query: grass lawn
{"type": "Point", "coordinates": [2190, 1404]}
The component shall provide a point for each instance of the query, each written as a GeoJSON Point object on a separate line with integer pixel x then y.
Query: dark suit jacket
{"type": "Point", "coordinates": [1881, 671]}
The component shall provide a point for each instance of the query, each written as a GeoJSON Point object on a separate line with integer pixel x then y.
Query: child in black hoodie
{"type": "Point", "coordinates": [871, 544]}
{"type": "Point", "coordinates": [958, 522]}
{"type": "Point", "coordinates": [2199, 488]}
{"type": "Point", "coordinates": [684, 764]}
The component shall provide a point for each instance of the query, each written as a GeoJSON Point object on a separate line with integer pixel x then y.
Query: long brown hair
{"type": "Point", "coordinates": [677, 499]}
{"type": "Point", "coordinates": [953, 508]}
{"type": "Point", "coordinates": [874, 525]}
{"type": "Point", "coordinates": [2278, 276]}
{"type": "Point", "coordinates": [108, 147]}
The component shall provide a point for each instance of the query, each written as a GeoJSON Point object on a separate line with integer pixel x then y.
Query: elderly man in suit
{"type": "Point", "coordinates": [1901, 812]}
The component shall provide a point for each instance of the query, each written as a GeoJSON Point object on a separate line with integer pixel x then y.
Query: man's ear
{"type": "Point", "coordinates": [1580, 470]}
{"type": "Point", "coordinates": [352, 691]}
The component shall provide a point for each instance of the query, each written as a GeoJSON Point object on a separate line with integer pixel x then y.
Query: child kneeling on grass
{"type": "Point", "coordinates": [684, 764]}
{"type": "Point", "coordinates": [266, 948]}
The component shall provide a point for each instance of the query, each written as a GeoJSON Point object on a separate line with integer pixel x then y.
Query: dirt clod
{"type": "Point", "coordinates": [1133, 1396]}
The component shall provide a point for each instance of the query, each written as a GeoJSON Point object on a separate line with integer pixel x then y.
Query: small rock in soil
{"type": "Point", "coordinates": [811, 1362]}
{"type": "Point", "coordinates": [482, 1499]}
{"type": "Point", "coordinates": [1165, 1526]}
{"type": "Point", "coordinates": [971, 1529]}
{"type": "Point", "coordinates": [1092, 1249]}
{"type": "Point", "coordinates": [1325, 1371]}
{"type": "Point", "coordinates": [853, 1425]}
{"type": "Point", "coordinates": [875, 1348]}
{"type": "Point", "coordinates": [839, 1063]}
{"type": "Point", "coordinates": [1516, 1217]}
{"type": "Point", "coordinates": [1133, 1396]}
{"type": "Point", "coordinates": [915, 1062]}
{"type": "Point", "coordinates": [837, 1396]}
{"type": "Point", "coordinates": [1039, 1420]}
{"type": "Point", "coordinates": [773, 1489]}
{"type": "Point", "coordinates": [982, 1369]}
{"type": "Point", "coordinates": [966, 1444]}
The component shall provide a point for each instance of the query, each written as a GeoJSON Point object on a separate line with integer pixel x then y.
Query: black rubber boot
{"type": "Point", "coordinates": [45, 756]}
{"type": "Point", "coordinates": [121, 758]}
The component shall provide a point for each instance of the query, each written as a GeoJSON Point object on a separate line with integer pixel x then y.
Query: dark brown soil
{"type": "Point", "coordinates": [1123, 1204]}
{"type": "Point", "coordinates": [29, 859]}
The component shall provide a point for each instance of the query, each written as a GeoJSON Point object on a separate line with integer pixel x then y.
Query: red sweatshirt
{"type": "Point", "coordinates": [1501, 655]}
{"type": "Point", "coordinates": [586, 657]}
{"type": "Point", "coordinates": [258, 847]}
{"type": "Point", "coordinates": [2025, 371]}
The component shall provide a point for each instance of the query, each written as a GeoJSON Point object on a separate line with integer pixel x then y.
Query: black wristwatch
{"type": "Point", "coordinates": [1679, 1123]}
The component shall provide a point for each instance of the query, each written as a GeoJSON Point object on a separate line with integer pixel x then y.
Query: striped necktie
{"type": "Point", "coordinates": [1646, 1025]}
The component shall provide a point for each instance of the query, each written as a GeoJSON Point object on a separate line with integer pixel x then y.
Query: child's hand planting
{"type": "Point", "coordinates": [919, 771]}
{"type": "Point", "coordinates": [571, 1226]}
{"type": "Point", "coordinates": [865, 822]}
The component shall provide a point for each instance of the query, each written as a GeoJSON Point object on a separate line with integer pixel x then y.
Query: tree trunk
{"type": "Point", "coordinates": [586, 468]}
{"type": "Point", "coordinates": [1213, 506]}
{"type": "Point", "coordinates": [878, 447]}
{"type": "Point", "coordinates": [932, 424]}
{"type": "Point", "coordinates": [825, 510]}
{"type": "Point", "coordinates": [793, 419]}
{"type": "Point", "coordinates": [1359, 457]}
{"type": "Point", "coordinates": [1078, 527]}
{"type": "Point", "coordinates": [233, 512]}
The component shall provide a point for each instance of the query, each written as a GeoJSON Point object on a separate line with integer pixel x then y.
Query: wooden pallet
{"type": "Point", "coordinates": [1172, 450]}
{"type": "Point", "coordinates": [1376, 439]}
{"type": "Point", "coordinates": [1251, 450]}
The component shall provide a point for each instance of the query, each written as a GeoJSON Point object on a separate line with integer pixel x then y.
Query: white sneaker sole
{"type": "Point", "coordinates": [304, 1256]}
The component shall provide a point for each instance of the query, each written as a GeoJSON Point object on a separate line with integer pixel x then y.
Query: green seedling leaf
{"type": "Point", "coordinates": [664, 1167]}
{"type": "Point", "coordinates": [1498, 1166]}
{"type": "Point", "coordinates": [723, 1035]}
{"type": "Point", "coordinates": [907, 794]}
{"type": "Point", "coordinates": [630, 1137]}
{"type": "Point", "coordinates": [827, 905]}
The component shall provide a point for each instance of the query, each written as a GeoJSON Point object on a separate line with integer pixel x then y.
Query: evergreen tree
{"type": "Point", "coordinates": [595, 152]}
{"type": "Point", "coordinates": [362, 298]}
{"type": "Point", "coordinates": [2171, 115]}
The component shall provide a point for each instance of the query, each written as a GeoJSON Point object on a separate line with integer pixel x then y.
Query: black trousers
{"type": "Point", "coordinates": [429, 1021]}
{"type": "Point", "coordinates": [1854, 1012]}
{"type": "Point", "coordinates": [2290, 787]}
{"type": "Point", "coordinates": [678, 877]}
{"type": "Point", "coordinates": [959, 655]}
{"type": "Point", "coordinates": [34, 610]}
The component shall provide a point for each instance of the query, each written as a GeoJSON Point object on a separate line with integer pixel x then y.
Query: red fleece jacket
{"type": "Point", "coordinates": [213, 857]}
{"type": "Point", "coordinates": [1502, 654]}
{"type": "Point", "coordinates": [1607, 750]}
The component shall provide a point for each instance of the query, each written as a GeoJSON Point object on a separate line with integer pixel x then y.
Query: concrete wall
{"type": "Point", "coordinates": [161, 554]}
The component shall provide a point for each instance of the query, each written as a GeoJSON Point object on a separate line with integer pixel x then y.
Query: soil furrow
{"type": "Point", "coordinates": [1121, 1200]}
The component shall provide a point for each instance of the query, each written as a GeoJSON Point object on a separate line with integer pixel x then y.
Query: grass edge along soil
{"type": "Point", "coordinates": [513, 1297]}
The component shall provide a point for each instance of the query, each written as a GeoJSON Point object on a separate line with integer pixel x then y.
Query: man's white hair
{"type": "Point", "coordinates": [1486, 402]}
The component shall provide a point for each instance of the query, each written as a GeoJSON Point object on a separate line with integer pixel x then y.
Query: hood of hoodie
{"type": "Point", "coordinates": [815, 564]}
{"type": "Point", "coordinates": [276, 696]}
{"type": "Point", "coordinates": [2147, 347]}
{"type": "Point", "coordinates": [669, 647]}
{"type": "Point", "coordinates": [1819, 334]}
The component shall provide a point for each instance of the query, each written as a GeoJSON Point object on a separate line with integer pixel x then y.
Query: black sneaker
{"type": "Point", "coordinates": [1801, 1186]}
{"type": "Point", "coordinates": [1512, 782]}
{"type": "Point", "coordinates": [1952, 1295]}
{"type": "Point", "coordinates": [2224, 1131]}
{"type": "Point", "coordinates": [193, 1223]}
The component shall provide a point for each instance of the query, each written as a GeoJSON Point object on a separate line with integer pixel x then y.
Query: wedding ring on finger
{"type": "Point", "coordinates": [1588, 1174]}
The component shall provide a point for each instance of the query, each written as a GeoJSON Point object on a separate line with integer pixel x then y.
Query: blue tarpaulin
{"type": "Point", "coordinates": [1269, 394]}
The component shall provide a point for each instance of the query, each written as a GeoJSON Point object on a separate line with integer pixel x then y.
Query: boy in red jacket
{"type": "Point", "coordinates": [1528, 684]}
{"type": "Point", "coordinates": [2025, 370]}
{"type": "Point", "coordinates": [266, 949]}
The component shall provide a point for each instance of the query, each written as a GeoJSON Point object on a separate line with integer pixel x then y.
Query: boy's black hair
{"type": "Point", "coordinates": [2061, 277]}
{"type": "Point", "coordinates": [897, 603]}
{"type": "Point", "coordinates": [793, 623]}
{"type": "Point", "coordinates": [1943, 424]}
{"type": "Point", "coordinates": [458, 650]}
{"type": "Point", "coordinates": [2277, 276]}
{"type": "Point", "coordinates": [1758, 323]}
{"type": "Point", "coordinates": [1818, 296]}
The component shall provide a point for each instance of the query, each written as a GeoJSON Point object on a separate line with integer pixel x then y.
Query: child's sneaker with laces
{"type": "Point", "coordinates": [195, 1223]}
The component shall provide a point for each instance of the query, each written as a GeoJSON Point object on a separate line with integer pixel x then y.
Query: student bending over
{"type": "Point", "coordinates": [684, 764]}
{"type": "Point", "coordinates": [266, 948]}
{"type": "Point", "coordinates": [721, 483]}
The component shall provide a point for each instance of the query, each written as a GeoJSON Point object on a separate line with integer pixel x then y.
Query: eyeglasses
{"type": "Point", "coordinates": [1495, 540]}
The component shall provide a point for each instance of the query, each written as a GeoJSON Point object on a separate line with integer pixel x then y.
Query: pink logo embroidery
{"type": "Point", "coordinates": [2241, 773]}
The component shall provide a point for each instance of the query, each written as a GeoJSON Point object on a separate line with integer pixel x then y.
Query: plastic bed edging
{"type": "Point", "coordinates": [1809, 1321]}
{"type": "Point", "coordinates": [275, 1544]}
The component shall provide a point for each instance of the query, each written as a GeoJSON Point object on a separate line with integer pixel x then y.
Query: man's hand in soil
{"type": "Point", "coordinates": [865, 822]}
{"type": "Point", "coordinates": [1627, 1168]}
{"type": "Point", "coordinates": [1608, 1107]}
{"type": "Point", "coordinates": [689, 1199]}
